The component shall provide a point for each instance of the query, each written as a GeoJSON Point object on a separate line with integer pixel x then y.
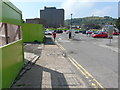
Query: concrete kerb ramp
{"type": "Point", "coordinates": [11, 47]}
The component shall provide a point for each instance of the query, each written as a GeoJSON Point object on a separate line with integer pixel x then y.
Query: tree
{"type": "Point", "coordinates": [118, 23]}
{"type": "Point", "coordinates": [91, 26]}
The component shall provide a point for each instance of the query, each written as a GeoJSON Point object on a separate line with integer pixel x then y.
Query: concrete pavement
{"type": "Point", "coordinates": [51, 69]}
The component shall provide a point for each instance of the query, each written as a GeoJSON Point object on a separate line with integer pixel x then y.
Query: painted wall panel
{"type": "Point", "coordinates": [0, 68]}
{"type": "Point", "coordinates": [33, 32]}
{"type": "Point", "coordinates": [12, 61]}
{"type": "Point", "coordinates": [10, 14]}
{"type": "Point", "coordinates": [11, 55]}
{"type": "Point", "coordinates": [0, 11]}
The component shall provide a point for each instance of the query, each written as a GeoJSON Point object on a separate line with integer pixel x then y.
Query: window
{"type": "Point", "coordinates": [9, 33]}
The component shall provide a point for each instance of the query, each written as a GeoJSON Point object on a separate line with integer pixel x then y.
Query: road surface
{"type": "Point", "coordinates": [95, 55]}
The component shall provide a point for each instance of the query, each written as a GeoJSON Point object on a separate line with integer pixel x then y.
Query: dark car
{"type": "Point", "coordinates": [59, 31]}
{"type": "Point", "coordinates": [77, 31]}
{"type": "Point", "coordinates": [83, 32]}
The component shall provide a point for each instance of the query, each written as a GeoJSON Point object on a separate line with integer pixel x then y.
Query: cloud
{"type": "Point", "coordinates": [63, 0]}
{"type": "Point", "coordinates": [76, 7]}
{"type": "Point", "coordinates": [102, 12]}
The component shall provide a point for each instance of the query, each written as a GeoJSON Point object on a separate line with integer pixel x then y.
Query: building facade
{"type": "Point", "coordinates": [54, 17]}
{"type": "Point", "coordinates": [36, 21]}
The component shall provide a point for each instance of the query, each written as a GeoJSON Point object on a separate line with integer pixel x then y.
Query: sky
{"type": "Point", "coordinates": [79, 8]}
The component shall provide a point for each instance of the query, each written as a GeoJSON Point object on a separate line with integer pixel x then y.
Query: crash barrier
{"type": "Point", "coordinates": [33, 32]}
{"type": "Point", "coordinates": [11, 44]}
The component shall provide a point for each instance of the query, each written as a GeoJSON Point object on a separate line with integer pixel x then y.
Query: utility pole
{"type": "Point", "coordinates": [70, 27]}
{"type": "Point", "coordinates": [71, 20]}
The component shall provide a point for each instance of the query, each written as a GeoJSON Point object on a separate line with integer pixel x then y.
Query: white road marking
{"type": "Point", "coordinates": [109, 47]}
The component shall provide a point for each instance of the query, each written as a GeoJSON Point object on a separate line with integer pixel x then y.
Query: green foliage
{"type": "Point", "coordinates": [97, 21]}
{"type": "Point", "coordinates": [118, 23]}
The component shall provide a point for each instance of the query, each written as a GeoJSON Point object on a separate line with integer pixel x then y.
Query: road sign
{"type": "Point", "coordinates": [110, 31]}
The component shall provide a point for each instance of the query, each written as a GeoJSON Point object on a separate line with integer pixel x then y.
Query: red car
{"type": "Point", "coordinates": [89, 32]}
{"type": "Point", "coordinates": [115, 33]}
{"type": "Point", "coordinates": [100, 35]}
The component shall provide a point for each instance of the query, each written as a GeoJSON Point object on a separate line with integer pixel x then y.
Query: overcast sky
{"type": "Point", "coordinates": [79, 8]}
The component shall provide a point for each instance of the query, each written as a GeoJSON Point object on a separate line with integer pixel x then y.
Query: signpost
{"type": "Point", "coordinates": [110, 29]}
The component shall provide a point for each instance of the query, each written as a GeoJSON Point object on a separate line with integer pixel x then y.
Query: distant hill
{"type": "Point", "coordinates": [91, 20]}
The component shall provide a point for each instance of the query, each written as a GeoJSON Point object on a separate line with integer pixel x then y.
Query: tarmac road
{"type": "Point", "coordinates": [99, 59]}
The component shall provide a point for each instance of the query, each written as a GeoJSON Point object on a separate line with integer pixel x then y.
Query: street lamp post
{"type": "Point", "coordinates": [71, 20]}
{"type": "Point", "coordinates": [70, 27]}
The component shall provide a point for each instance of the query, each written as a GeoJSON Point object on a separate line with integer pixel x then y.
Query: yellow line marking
{"type": "Point", "coordinates": [83, 71]}
{"type": "Point", "coordinates": [87, 73]}
{"type": "Point", "coordinates": [60, 46]}
{"type": "Point", "coordinates": [76, 66]}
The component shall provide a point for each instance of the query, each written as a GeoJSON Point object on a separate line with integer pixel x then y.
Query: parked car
{"type": "Point", "coordinates": [89, 32]}
{"type": "Point", "coordinates": [76, 31]}
{"type": "Point", "coordinates": [59, 31]}
{"type": "Point", "coordinates": [105, 32]}
{"type": "Point", "coordinates": [95, 32]}
{"type": "Point", "coordinates": [84, 32]}
{"type": "Point", "coordinates": [48, 32]}
{"type": "Point", "coordinates": [100, 35]}
{"type": "Point", "coordinates": [115, 33]}
{"type": "Point", "coordinates": [67, 31]}
{"type": "Point", "coordinates": [51, 31]}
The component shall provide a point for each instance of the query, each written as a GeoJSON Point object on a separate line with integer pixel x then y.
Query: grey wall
{"type": "Point", "coordinates": [54, 17]}
{"type": "Point", "coordinates": [36, 21]}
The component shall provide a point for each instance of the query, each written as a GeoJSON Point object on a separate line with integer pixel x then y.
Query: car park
{"type": "Point", "coordinates": [48, 32]}
{"type": "Point", "coordinates": [84, 32]}
{"type": "Point", "coordinates": [51, 31]}
{"type": "Point", "coordinates": [100, 35]}
{"type": "Point", "coordinates": [59, 31]}
{"type": "Point", "coordinates": [76, 31]}
{"type": "Point", "coordinates": [115, 33]}
{"type": "Point", "coordinates": [89, 32]}
{"type": "Point", "coordinates": [67, 31]}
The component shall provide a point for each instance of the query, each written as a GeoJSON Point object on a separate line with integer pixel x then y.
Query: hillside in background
{"type": "Point", "coordinates": [91, 20]}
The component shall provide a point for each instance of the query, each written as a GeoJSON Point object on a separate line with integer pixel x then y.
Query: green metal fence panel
{"type": "Point", "coordinates": [0, 68]}
{"type": "Point", "coordinates": [12, 61]}
{"type": "Point", "coordinates": [9, 13]}
{"type": "Point", "coordinates": [33, 32]}
{"type": "Point", "coordinates": [11, 55]}
{"type": "Point", "coordinates": [0, 10]}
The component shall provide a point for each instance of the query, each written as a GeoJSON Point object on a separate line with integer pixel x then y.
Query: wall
{"type": "Point", "coordinates": [0, 67]}
{"type": "Point", "coordinates": [10, 13]}
{"type": "Point", "coordinates": [33, 32]}
{"type": "Point", "coordinates": [11, 55]}
{"type": "Point", "coordinates": [54, 17]}
{"type": "Point", "coordinates": [12, 61]}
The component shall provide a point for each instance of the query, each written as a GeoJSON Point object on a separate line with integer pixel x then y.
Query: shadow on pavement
{"type": "Point", "coordinates": [34, 48]}
{"type": "Point", "coordinates": [34, 78]}
{"type": "Point", "coordinates": [49, 41]}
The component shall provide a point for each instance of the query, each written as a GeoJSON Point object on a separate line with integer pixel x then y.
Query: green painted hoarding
{"type": "Point", "coordinates": [33, 32]}
{"type": "Point", "coordinates": [11, 55]}
{"type": "Point", "coordinates": [12, 61]}
{"type": "Point", "coordinates": [10, 13]}
{"type": "Point", "coordinates": [0, 68]}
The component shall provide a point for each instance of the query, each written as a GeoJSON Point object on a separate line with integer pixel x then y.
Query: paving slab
{"type": "Point", "coordinates": [52, 70]}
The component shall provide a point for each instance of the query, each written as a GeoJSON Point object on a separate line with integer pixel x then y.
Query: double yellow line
{"type": "Point", "coordinates": [60, 46]}
{"type": "Point", "coordinates": [87, 75]}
